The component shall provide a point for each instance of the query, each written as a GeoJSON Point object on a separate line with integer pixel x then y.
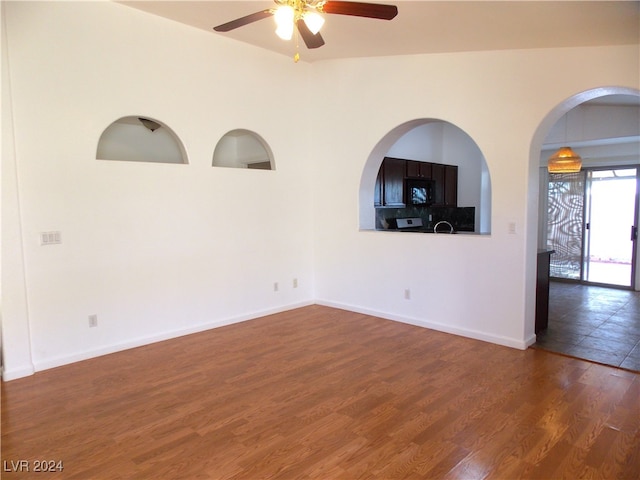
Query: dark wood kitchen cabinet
{"type": "Point", "coordinates": [451, 185]}
{"type": "Point", "coordinates": [418, 169]}
{"type": "Point", "coordinates": [446, 185]}
{"type": "Point", "coordinates": [437, 175]}
{"type": "Point", "coordinates": [542, 289]}
{"type": "Point", "coordinates": [394, 172]}
{"type": "Point", "coordinates": [389, 189]}
{"type": "Point", "coordinates": [377, 192]}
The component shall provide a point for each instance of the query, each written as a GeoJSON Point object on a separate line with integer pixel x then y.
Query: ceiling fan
{"type": "Point", "coordinates": [306, 16]}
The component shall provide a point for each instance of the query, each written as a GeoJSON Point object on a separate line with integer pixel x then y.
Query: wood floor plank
{"type": "Point", "coordinates": [323, 393]}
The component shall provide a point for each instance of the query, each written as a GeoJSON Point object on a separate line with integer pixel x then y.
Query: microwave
{"type": "Point", "coordinates": [419, 191]}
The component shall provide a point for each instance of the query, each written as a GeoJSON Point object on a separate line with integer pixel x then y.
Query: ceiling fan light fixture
{"type": "Point", "coordinates": [305, 18]}
{"type": "Point", "coordinates": [284, 16]}
{"type": "Point", "coordinates": [314, 21]}
{"type": "Point", "coordinates": [564, 160]}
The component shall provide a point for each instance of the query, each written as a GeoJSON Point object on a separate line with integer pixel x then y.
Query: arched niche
{"type": "Point", "coordinates": [242, 148]}
{"type": "Point", "coordinates": [434, 141]}
{"type": "Point", "coordinates": [140, 139]}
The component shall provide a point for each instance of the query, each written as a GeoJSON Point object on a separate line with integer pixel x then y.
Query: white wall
{"type": "Point", "coordinates": [481, 286]}
{"type": "Point", "coordinates": [15, 334]}
{"type": "Point", "coordinates": [156, 250]}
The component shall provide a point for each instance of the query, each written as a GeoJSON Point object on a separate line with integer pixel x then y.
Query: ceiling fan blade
{"type": "Point", "coordinates": [360, 9]}
{"type": "Point", "coordinates": [310, 40]}
{"type": "Point", "coordinates": [242, 21]}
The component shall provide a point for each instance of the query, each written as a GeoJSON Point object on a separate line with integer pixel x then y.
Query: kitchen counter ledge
{"type": "Point", "coordinates": [427, 231]}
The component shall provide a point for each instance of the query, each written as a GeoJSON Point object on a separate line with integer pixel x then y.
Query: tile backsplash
{"type": "Point", "coordinates": [462, 218]}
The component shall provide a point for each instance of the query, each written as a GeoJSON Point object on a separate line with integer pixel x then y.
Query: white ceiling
{"type": "Point", "coordinates": [426, 26]}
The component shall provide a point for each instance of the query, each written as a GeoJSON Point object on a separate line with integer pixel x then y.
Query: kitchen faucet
{"type": "Point", "coordinates": [435, 227]}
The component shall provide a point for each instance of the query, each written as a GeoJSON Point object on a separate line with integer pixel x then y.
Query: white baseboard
{"type": "Point", "coordinates": [530, 340]}
{"type": "Point", "coordinates": [139, 342]}
{"type": "Point", "coordinates": [463, 332]}
{"type": "Point", "coordinates": [17, 373]}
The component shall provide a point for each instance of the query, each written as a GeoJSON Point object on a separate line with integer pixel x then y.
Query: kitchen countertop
{"type": "Point", "coordinates": [426, 230]}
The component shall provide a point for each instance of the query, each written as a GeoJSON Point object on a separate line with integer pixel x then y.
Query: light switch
{"type": "Point", "coordinates": [50, 238]}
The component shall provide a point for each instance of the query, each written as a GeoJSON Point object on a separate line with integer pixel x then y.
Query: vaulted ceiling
{"type": "Point", "coordinates": [426, 26]}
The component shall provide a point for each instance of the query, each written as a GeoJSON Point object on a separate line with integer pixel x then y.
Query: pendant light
{"type": "Point", "coordinates": [564, 160]}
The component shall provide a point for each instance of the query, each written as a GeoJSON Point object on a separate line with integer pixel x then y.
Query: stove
{"type": "Point", "coordinates": [414, 222]}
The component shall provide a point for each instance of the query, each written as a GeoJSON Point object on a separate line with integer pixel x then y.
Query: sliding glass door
{"type": "Point", "coordinates": [610, 229]}
{"type": "Point", "coordinates": [592, 225]}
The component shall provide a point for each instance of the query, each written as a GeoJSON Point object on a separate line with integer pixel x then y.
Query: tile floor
{"type": "Point", "coordinates": [594, 323]}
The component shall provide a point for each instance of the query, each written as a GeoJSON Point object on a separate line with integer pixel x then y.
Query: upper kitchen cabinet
{"type": "Point", "coordinates": [377, 192]}
{"type": "Point", "coordinates": [393, 173]}
{"type": "Point", "coordinates": [451, 185]}
{"type": "Point", "coordinates": [419, 169]}
{"type": "Point", "coordinates": [445, 178]}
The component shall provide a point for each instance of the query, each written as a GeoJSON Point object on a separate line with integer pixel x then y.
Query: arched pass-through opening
{"type": "Point", "coordinates": [426, 144]}
{"type": "Point", "coordinates": [534, 236]}
{"type": "Point", "coordinates": [140, 139]}
{"type": "Point", "coordinates": [242, 148]}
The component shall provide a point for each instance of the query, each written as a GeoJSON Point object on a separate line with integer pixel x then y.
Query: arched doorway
{"type": "Point", "coordinates": [588, 322]}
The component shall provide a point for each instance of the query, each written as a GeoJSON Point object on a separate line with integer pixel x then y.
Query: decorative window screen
{"type": "Point", "coordinates": [565, 223]}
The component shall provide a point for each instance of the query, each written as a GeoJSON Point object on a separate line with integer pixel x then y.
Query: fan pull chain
{"type": "Point", "coordinates": [296, 57]}
{"type": "Point", "coordinates": [299, 8]}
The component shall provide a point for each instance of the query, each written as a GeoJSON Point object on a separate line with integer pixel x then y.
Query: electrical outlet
{"type": "Point", "coordinates": [407, 294]}
{"type": "Point", "coordinates": [275, 286]}
{"type": "Point", "coordinates": [93, 321]}
{"type": "Point", "coordinates": [295, 283]}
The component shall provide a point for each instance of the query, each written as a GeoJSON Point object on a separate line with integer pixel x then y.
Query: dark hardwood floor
{"type": "Point", "coordinates": [593, 323]}
{"type": "Point", "coordinates": [324, 393]}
